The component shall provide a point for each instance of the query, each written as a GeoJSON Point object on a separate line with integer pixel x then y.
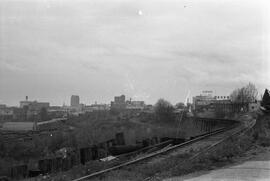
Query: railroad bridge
{"type": "Point", "coordinates": [195, 126]}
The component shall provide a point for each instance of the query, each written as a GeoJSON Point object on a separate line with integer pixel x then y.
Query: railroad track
{"type": "Point", "coordinates": [212, 142]}
{"type": "Point", "coordinates": [208, 141]}
{"type": "Point", "coordinates": [238, 131]}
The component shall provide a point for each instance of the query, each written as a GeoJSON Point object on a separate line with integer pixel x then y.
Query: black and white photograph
{"type": "Point", "coordinates": [134, 90]}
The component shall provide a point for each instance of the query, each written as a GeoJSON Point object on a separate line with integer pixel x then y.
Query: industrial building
{"type": "Point", "coordinates": [135, 105]}
{"type": "Point", "coordinates": [34, 105]}
{"type": "Point", "coordinates": [74, 101]}
{"type": "Point", "coordinates": [205, 101]}
{"type": "Point", "coordinates": [96, 107]}
{"type": "Point", "coordinates": [119, 103]}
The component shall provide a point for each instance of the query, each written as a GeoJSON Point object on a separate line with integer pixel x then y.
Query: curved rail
{"type": "Point", "coordinates": [242, 130]}
{"type": "Point", "coordinates": [236, 130]}
{"type": "Point", "coordinates": [162, 151]}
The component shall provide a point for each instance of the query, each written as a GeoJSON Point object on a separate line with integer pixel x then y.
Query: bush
{"type": "Point", "coordinates": [220, 156]}
{"type": "Point", "coordinates": [265, 142]}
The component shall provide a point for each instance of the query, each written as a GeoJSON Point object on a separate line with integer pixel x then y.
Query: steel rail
{"type": "Point", "coordinates": [162, 151]}
{"type": "Point", "coordinates": [240, 131]}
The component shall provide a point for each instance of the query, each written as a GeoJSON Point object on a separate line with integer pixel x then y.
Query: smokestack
{"type": "Point", "coordinates": [26, 98]}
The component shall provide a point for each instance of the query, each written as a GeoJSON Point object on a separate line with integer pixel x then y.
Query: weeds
{"type": "Point", "coordinates": [222, 155]}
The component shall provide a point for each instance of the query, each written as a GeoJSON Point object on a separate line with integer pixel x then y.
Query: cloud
{"type": "Point", "coordinates": [89, 47]}
{"type": "Point", "coordinates": [11, 67]}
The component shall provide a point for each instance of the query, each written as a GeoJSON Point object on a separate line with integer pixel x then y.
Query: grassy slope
{"type": "Point", "coordinates": [229, 152]}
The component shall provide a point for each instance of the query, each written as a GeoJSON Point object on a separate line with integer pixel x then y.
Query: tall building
{"type": "Point", "coordinates": [119, 103]}
{"type": "Point", "coordinates": [120, 99]}
{"type": "Point", "coordinates": [74, 101]}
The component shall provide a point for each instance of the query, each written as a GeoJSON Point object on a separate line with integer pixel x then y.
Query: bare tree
{"type": "Point", "coordinates": [164, 110]}
{"type": "Point", "coordinates": [245, 94]}
{"type": "Point", "coordinates": [180, 105]}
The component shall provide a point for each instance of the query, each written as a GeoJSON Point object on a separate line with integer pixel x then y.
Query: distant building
{"type": "Point", "coordinates": [96, 107]}
{"type": "Point", "coordinates": [136, 105]}
{"type": "Point", "coordinates": [225, 106]}
{"type": "Point", "coordinates": [206, 100]}
{"type": "Point", "coordinates": [120, 99]}
{"type": "Point", "coordinates": [119, 103]}
{"type": "Point", "coordinates": [57, 111]}
{"type": "Point", "coordinates": [203, 100]}
{"type": "Point", "coordinates": [208, 93]}
{"type": "Point", "coordinates": [100, 107]}
{"type": "Point", "coordinates": [29, 109]}
{"type": "Point", "coordinates": [74, 101]}
{"type": "Point", "coordinates": [221, 98]}
{"type": "Point", "coordinates": [7, 111]}
{"type": "Point", "coordinates": [34, 105]}
{"type": "Point", "coordinates": [39, 105]}
{"type": "Point", "coordinates": [55, 108]}
{"type": "Point", "coordinates": [88, 108]}
{"type": "Point", "coordinates": [25, 102]}
{"type": "Point", "coordinates": [19, 114]}
{"type": "Point", "coordinates": [75, 110]}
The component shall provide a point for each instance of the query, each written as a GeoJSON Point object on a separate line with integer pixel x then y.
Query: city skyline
{"type": "Point", "coordinates": [187, 99]}
{"type": "Point", "coordinates": [50, 50]}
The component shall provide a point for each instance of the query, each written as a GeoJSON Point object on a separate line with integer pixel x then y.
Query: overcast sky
{"type": "Point", "coordinates": [148, 49]}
